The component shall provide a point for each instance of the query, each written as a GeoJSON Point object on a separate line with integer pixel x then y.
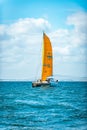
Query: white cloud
{"type": "Point", "coordinates": [79, 20]}
{"type": "Point", "coordinates": [17, 38]}
{"type": "Point", "coordinates": [21, 43]}
{"type": "Point", "coordinates": [28, 26]}
{"type": "Point", "coordinates": [62, 50]}
{"type": "Point", "coordinates": [73, 41]}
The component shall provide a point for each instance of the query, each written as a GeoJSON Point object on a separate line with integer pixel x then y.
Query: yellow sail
{"type": "Point", "coordinates": [47, 58]}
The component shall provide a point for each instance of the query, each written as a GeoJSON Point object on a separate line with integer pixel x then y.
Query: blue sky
{"type": "Point", "coordinates": [21, 26]}
{"type": "Point", "coordinates": [56, 11]}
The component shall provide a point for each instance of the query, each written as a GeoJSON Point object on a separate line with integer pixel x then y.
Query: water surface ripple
{"type": "Point", "coordinates": [63, 107]}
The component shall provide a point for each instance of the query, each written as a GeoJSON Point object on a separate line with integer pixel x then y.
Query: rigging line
{"type": "Point", "coordinates": [39, 63]}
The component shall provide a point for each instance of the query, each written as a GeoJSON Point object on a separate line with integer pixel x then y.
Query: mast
{"type": "Point", "coordinates": [47, 58]}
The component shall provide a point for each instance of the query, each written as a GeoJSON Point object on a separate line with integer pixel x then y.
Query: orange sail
{"type": "Point", "coordinates": [47, 58]}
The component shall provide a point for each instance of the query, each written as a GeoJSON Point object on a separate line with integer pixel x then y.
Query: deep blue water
{"type": "Point", "coordinates": [62, 107]}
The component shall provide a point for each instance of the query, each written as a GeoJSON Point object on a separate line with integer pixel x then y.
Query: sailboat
{"type": "Point", "coordinates": [47, 64]}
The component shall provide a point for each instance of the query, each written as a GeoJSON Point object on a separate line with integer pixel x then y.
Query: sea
{"type": "Point", "coordinates": [62, 107]}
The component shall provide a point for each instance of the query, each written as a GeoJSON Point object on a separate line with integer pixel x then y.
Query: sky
{"type": "Point", "coordinates": [22, 23]}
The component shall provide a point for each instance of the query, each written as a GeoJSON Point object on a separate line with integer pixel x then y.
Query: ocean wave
{"type": "Point", "coordinates": [68, 105]}
{"type": "Point", "coordinates": [26, 108]}
{"type": "Point", "coordinates": [29, 102]}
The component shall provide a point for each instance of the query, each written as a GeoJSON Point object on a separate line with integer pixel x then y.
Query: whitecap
{"type": "Point", "coordinates": [29, 102]}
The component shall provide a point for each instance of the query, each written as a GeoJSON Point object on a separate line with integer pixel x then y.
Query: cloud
{"type": "Point", "coordinates": [24, 27]}
{"type": "Point", "coordinates": [78, 20]}
{"type": "Point", "coordinates": [71, 43]}
{"type": "Point", "coordinates": [62, 50]}
{"type": "Point", "coordinates": [17, 38]}
{"type": "Point", "coordinates": [28, 26]}
{"type": "Point", "coordinates": [21, 43]}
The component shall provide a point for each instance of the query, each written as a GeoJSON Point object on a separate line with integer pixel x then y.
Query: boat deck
{"type": "Point", "coordinates": [38, 84]}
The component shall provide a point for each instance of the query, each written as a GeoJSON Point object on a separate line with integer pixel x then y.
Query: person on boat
{"type": "Point", "coordinates": [48, 80]}
{"type": "Point", "coordinates": [56, 80]}
{"type": "Point", "coordinates": [40, 80]}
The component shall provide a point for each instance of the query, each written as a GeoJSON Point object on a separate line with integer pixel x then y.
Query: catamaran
{"type": "Point", "coordinates": [47, 65]}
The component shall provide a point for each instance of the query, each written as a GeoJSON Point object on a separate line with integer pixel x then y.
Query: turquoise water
{"type": "Point", "coordinates": [62, 107]}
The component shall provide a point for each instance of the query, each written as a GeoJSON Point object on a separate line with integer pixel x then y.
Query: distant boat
{"type": "Point", "coordinates": [47, 65]}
